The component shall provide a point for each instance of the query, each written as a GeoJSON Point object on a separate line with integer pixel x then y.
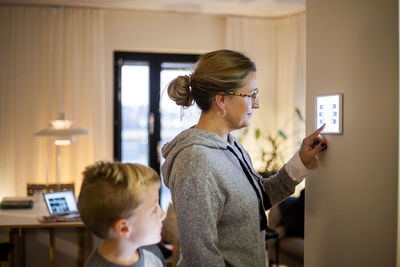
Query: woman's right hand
{"type": "Point", "coordinates": [312, 145]}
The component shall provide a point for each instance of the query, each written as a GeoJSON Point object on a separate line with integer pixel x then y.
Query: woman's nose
{"type": "Point", "coordinates": [256, 104]}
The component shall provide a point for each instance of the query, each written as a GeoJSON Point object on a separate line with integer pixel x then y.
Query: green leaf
{"type": "Point", "coordinates": [298, 112]}
{"type": "Point", "coordinates": [258, 133]}
{"type": "Point", "coordinates": [282, 134]}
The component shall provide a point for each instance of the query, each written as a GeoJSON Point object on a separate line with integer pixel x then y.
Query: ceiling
{"type": "Point", "coordinates": [251, 8]}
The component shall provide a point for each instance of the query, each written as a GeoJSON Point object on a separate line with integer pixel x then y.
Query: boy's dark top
{"type": "Point", "coordinates": [150, 256]}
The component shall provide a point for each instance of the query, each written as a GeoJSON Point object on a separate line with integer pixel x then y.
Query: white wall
{"type": "Point", "coordinates": [141, 31]}
{"type": "Point", "coordinates": [351, 202]}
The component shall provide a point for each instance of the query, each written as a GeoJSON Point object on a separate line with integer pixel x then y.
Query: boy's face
{"type": "Point", "coordinates": [147, 219]}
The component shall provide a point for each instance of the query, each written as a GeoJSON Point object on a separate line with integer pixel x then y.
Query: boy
{"type": "Point", "coordinates": [119, 204]}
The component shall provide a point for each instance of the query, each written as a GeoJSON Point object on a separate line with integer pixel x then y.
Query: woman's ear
{"type": "Point", "coordinates": [122, 228]}
{"type": "Point", "coordinates": [220, 101]}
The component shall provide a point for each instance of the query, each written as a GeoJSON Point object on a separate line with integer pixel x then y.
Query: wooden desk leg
{"type": "Point", "coordinates": [81, 247]}
{"type": "Point", "coordinates": [21, 237]}
{"type": "Point", "coordinates": [11, 253]}
{"type": "Point", "coordinates": [52, 246]}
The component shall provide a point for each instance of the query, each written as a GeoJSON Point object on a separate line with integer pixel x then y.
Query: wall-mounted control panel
{"type": "Point", "coordinates": [329, 110]}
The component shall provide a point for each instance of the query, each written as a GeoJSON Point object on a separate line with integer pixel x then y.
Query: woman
{"type": "Point", "coordinates": [219, 198]}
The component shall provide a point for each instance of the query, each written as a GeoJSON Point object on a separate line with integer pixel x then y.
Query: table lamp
{"type": "Point", "coordinates": [63, 132]}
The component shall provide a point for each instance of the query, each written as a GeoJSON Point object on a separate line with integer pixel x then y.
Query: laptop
{"type": "Point", "coordinates": [61, 205]}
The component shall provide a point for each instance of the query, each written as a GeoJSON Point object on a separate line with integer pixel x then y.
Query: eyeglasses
{"type": "Point", "coordinates": [253, 96]}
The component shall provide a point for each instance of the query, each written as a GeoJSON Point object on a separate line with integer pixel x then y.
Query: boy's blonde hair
{"type": "Point", "coordinates": [111, 191]}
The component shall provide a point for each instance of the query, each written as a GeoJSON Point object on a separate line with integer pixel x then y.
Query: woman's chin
{"type": "Point", "coordinates": [246, 123]}
{"type": "Point", "coordinates": [243, 125]}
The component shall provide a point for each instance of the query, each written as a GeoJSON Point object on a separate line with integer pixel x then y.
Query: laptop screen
{"type": "Point", "coordinates": [61, 202]}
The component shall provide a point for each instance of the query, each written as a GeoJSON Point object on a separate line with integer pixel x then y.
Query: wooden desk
{"type": "Point", "coordinates": [18, 221]}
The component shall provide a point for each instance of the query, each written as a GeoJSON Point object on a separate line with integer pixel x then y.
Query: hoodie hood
{"type": "Point", "coordinates": [188, 138]}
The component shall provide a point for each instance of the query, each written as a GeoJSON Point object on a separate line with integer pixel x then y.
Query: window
{"type": "Point", "coordinates": [144, 116]}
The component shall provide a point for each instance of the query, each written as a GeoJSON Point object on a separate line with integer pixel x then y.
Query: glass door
{"type": "Point", "coordinates": [135, 112]}
{"type": "Point", "coordinates": [144, 116]}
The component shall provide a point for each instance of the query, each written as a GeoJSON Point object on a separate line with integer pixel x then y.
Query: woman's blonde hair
{"type": "Point", "coordinates": [215, 72]}
{"type": "Point", "coordinates": [111, 191]}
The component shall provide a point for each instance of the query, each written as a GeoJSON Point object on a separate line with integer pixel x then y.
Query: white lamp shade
{"type": "Point", "coordinates": [62, 132]}
{"type": "Point", "coordinates": [62, 129]}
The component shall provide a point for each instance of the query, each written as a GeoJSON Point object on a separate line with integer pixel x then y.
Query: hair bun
{"type": "Point", "coordinates": [180, 91]}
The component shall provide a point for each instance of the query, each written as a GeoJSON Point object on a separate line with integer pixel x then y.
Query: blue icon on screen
{"type": "Point", "coordinates": [321, 106]}
{"type": "Point", "coordinates": [321, 114]}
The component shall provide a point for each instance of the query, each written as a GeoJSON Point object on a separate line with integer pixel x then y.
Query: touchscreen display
{"type": "Point", "coordinates": [328, 110]}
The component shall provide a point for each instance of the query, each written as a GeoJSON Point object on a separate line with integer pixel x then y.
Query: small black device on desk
{"type": "Point", "coordinates": [16, 203]}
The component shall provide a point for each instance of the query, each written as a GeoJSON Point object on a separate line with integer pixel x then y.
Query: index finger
{"type": "Point", "coordinates": [318, 131]}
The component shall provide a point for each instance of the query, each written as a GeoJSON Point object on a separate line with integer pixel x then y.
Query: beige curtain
{"type": "Point", "coordinates": [51, 61]}
{"type": "Point", "coordinates": [278, 48]}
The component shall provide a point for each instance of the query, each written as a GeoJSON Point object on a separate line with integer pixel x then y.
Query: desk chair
{"type": "Point", "coordinates": [32, 188]}
{"type": "Point", "coordinates": [5, 249]}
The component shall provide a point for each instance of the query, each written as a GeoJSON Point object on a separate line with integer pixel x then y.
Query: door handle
{"type": "Point", "coordinates": [151, 123]}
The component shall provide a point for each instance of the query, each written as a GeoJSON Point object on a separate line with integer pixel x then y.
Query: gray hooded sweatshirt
{"type": "Point", "coordinates": [217, 209]}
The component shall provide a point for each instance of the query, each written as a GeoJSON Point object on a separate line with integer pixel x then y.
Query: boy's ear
{"type": "Point", "coordinates": [122, 228]}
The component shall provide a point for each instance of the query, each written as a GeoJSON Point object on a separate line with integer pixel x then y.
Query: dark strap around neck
{"type": "Point", "coordinates": [263, 222]}
{"type": "Point", "coordinates": [267, 204]}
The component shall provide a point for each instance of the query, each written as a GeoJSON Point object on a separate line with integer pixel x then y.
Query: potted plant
{"type": "Point", "coordinates": [274, 145]}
